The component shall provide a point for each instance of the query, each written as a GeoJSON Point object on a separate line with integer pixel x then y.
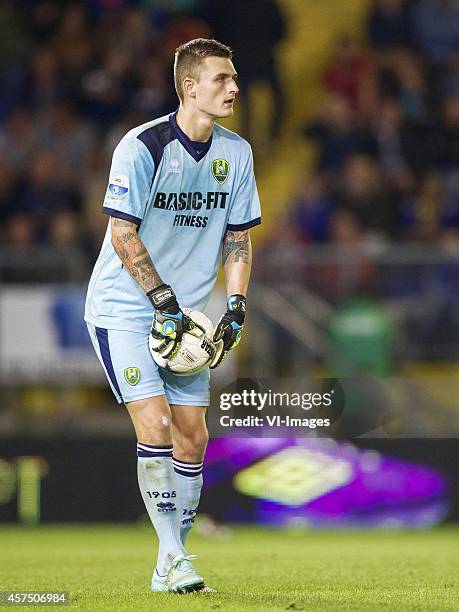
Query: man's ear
{"type": "Point", "coordinates": [189, 87]}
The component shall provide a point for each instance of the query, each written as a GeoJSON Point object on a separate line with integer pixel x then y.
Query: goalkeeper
{"type": "Point", "coordinates": [181, 194]}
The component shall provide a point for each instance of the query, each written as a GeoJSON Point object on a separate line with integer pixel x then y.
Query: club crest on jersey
{"type": "Point", "coordinates": [132, 376]}
{"type": "Point", "coordinates": [220, 170]}
{"type": "Point", "coordinates": [118, 186]}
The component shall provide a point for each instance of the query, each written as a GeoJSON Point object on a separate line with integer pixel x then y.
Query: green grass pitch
{"type": "Point", "coordinates": [109, 568]}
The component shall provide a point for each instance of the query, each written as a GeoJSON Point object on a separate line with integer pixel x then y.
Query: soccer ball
{"type": "Point", "coordinates": [196, 351]}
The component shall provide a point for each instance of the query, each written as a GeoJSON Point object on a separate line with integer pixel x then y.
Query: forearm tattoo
{"type": "Point", "coordinates": [134, 255]}
{"type": "Point", "coordinates": [236, 247]}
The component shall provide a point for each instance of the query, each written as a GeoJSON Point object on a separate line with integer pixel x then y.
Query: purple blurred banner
{"type": "Point", "coordinates": [314, 482]}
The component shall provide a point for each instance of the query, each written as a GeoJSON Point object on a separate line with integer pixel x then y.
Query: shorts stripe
{"type": "Point", "coordinates": [102, 338]}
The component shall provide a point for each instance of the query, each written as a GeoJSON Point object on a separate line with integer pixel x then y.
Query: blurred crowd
{"type": "Point", "coordinates": [387, 133]}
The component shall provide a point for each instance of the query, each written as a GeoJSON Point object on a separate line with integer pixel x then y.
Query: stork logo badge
{"type": "Point", "coordinates": [220, 170]}
{"type": "Point", "coordinates": [132, 376]}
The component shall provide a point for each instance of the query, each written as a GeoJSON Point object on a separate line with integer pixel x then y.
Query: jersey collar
{"type": "Point", "coordinates": [197, 150]}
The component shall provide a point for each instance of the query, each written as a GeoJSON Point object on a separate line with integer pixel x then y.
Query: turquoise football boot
{"type": "Point", "coordinates": [182, 577]}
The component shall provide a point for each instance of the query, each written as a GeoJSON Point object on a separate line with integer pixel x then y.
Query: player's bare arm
{"type": "Point", "coordinates": [237, 261]}
{"type": "Point", "coordinates": [132, 252]}
{"type": "Point", "coordinates": [237, 264]}
{"type": "Point", "coordinates": [236, 247]}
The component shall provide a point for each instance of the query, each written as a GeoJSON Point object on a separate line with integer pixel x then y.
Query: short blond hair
{"type": "Point", "coordinates": [189, 57]}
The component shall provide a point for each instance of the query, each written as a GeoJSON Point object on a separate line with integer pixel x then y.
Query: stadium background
{"type": "Point", "coordinates": [353, 112]}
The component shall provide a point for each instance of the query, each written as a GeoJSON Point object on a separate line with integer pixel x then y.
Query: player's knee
{"type": "Point", "coordinates": [154, 430]}
{"type": "Point", "coordinates": [193, 445]}
{"type": "Point", "coordinates": [199, 440]}
{"type": "Point", "coordinates": [152, 420]}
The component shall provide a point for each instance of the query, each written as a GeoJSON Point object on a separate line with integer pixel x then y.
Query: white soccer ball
{"type": "Point", "coordinates": [197, 349]}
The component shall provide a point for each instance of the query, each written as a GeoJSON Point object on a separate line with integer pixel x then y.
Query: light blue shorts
{"type": "Point", "coordinates": [133, 375]}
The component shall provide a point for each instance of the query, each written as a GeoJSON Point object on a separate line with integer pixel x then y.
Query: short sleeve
{"type": "Point", "coordinates": [130, 181]}
{"type": "Point", "coordinates": [245, 208]}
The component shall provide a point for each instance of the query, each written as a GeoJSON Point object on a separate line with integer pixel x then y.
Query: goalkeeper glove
{"type": "Point", "coordinates": [169, 321]}
{"type": "Point", "coordinates": [229, 329]}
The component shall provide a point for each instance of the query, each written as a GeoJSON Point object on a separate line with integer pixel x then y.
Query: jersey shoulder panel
{"type": "Point", "coordinates": [129, 142]}
{"type": "Point", "coordinates": [133, 168]}
{"type": "Point", "coordinates": [156, 135]}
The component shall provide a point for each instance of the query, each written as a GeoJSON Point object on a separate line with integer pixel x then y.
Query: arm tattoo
{"type": "Point", "coordinates": [134, 255]}
{"type": "Point", "coordinates": [236, 247]}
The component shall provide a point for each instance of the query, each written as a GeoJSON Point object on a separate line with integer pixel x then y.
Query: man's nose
{"type": "Point", "coordinates": [233, 87]}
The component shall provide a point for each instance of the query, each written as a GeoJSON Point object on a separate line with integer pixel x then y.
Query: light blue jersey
{"type": "Point", "coordinates": [183, 196]}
